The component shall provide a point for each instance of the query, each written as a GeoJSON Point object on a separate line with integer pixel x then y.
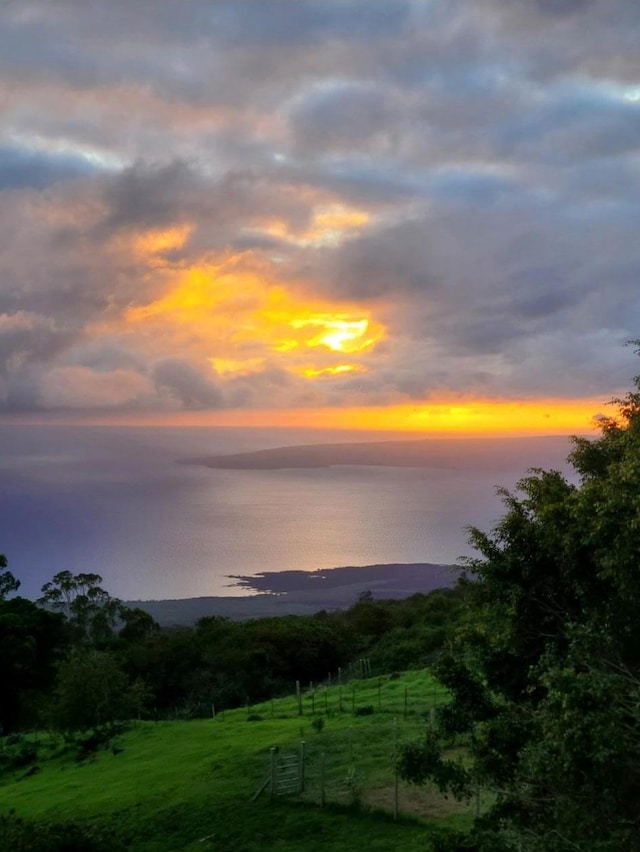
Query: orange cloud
{"type": "Point", "coordinates": [238, 319]}
{"type": "Point", "coordinates": [457, 417]}
{"type": "Point", "coordinates": [330, 225]}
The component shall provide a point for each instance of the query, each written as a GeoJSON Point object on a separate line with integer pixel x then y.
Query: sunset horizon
{"type": "Point", "coordinates": [456, 419]}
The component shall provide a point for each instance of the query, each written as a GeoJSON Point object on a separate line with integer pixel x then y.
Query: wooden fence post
{"type": "Point", "coordinates": [273, 772]}
{"type": "Point", "coordinates": [395, 768]}
{"type": "Point", "coordinates": [302, 756]}
{"type": "Point", "coordinates": [299, 697]}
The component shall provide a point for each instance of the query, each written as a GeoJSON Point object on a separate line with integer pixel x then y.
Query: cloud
{"type": "Point", "coordinates": [191, 387]}
{"type": "Point", "coordinates": [190, 196]}
{"type": "Point", "coordinates": [344, 116]}
{"type": "Point", "coordinates": [80, 387]}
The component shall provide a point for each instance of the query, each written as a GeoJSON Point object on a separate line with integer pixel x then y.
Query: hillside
{"type": "Point", "coordinates": [189, 785]}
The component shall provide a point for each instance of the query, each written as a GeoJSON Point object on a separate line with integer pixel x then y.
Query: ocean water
{"type": "Point", "coordinates": [114, 501]}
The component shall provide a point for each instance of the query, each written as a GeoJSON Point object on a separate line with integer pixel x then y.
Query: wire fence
{"type": "Point", "coordinates": [353, 769]}
{"type": "Point", "coordinates": [358, 694]}
{"type": "Point", "coordinates": [355, 763]}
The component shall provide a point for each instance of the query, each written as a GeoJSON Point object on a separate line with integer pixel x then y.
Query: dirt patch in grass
{"type": "Point", "coordinates": [423, 802]}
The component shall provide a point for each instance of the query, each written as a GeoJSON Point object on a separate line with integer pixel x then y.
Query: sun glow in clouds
{"type": "Point", "coordinates": [338, 334]}
{"type": "Point", "coordinates": [479, 417]}
{"type": "Point", "coordinates": [242, 322]}
{"type": "Point", "coordinates": [338, 370]}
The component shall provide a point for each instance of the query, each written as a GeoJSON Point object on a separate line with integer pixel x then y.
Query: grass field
{"type": "Point", "coordinates": [189, 785]}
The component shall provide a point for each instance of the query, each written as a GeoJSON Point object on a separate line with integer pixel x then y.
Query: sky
{"type": "Point", "coordinates": [405, 214]}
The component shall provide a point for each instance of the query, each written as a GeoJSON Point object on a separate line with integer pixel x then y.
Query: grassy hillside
{"type": "Point", "coordinates": [188, 785]}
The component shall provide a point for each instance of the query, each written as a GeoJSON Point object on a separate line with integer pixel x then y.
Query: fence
{"type": "Point", "coordinates": [352, 769]}
{"type": "Point", "coordinates": [359, 696]}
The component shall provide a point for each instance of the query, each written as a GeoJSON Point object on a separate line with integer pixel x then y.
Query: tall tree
{"type": "Point", "coordinates": [31, 642]}
{"type": "Point", "coordinates": [89, 608]}
{"type": "Point", "coordinates": [8, 582]}
{"type": "Point", "coordinates": [545, 681]}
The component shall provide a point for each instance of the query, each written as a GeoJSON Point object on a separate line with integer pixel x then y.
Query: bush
{"type": "Point", "coordinates": [23, 836]}
{"type": "Point", "coordinates": [367, 710]}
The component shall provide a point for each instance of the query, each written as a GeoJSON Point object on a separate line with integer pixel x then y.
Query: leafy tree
{"type": "Point", "coordinates": [93, 690]}
{"type": "Point", "coordinates": [8, 582]}
{"type": "Point", "coordinates": [31, 642]}
{"type": "Point", "coordinates": [545, 678]}
{"type": "Point", "coordinates": [90, 609]}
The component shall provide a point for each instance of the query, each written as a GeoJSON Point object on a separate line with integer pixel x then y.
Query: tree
{"type": "Point", "coordinates": [545, 678]}
{"type": "Point", "coordinates": [31, 642]}
{"type": "Point", "coordinates": [93, 690]}
{"type": "Point", "coordinates": [8, 582]}
{"type": "Point", "coordinates": [89, 608]}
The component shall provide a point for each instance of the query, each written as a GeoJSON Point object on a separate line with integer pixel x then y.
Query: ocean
{"type": "Point", "coordinates": [116, 502]}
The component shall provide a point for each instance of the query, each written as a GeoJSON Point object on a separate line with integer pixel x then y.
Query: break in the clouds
{"type": "Point", "coordinates": [259, 203]}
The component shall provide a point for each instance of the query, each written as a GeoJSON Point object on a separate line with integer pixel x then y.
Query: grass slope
{"type": "Point", "coordinates": [188, 785]}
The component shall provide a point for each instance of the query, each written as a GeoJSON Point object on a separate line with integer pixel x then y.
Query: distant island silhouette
{"type": "Point", "coordinates": [491, 454]}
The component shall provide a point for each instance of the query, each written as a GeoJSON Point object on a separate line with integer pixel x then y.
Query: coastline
{"type": "Point", "coordinates": [303, 592]}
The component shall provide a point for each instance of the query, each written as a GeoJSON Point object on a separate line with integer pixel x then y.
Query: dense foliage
{"type": "Point", "coordinates": [545, 673]}
{"type": "Point", "coordinates": [82, 659]}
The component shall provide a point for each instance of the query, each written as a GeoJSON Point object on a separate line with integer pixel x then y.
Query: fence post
{"type": "Point", "coordinates": [395, 768]}
{"type": "Point", "coordinates": [273, 772]}
{"type": "Point", "coordinates": [299, 697]}
{"type": "Point", "coordinates": [302, 755]}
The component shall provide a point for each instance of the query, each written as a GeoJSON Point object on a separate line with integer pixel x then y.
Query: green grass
{"type": "Point", "coordinates": [168, 785]}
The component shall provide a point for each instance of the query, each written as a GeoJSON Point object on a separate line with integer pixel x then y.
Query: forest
{"type": "Point", "coordinates": [79, 658]}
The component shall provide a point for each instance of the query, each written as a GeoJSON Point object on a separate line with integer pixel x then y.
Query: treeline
{"type": "Point", "coordinates": [79, 659]}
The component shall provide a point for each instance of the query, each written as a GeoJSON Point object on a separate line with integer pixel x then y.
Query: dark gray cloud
{"type": "Point", "coordinates": [191, 387]}
{"type": "Point", "coordinates": [344, 117]}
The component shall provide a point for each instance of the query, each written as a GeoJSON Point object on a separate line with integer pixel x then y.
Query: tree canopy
{"type": "Point", "coordinates": [545, 673]}
{"type": "Point", "coordinates": [8, 582]}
